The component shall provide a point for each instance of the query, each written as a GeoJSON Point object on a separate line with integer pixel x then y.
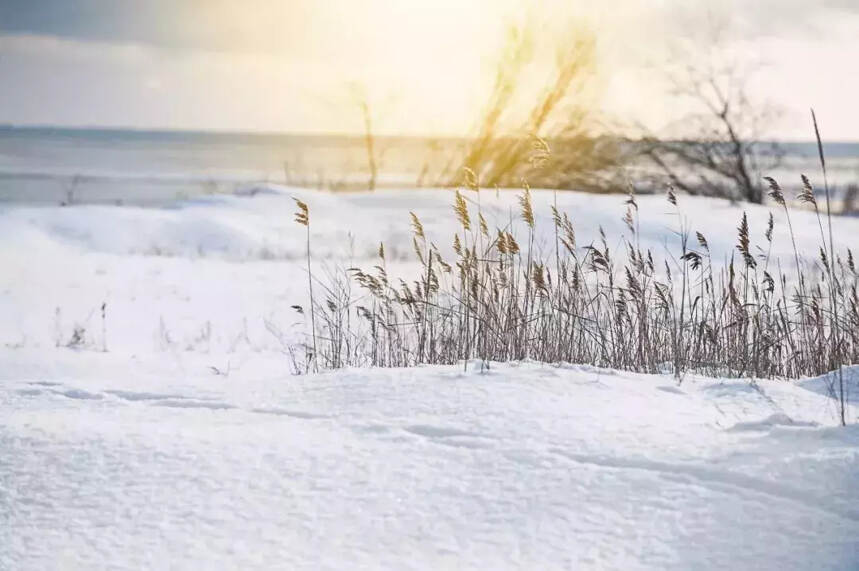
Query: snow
{"type": "Point", "coordinates": [208, 274]}
{"type": "Point", "coordinates": [257, 223]}
{"type": "Point", "coordinates": [117, 462]}
{"type": "Point", "coordinates": [188, 443]}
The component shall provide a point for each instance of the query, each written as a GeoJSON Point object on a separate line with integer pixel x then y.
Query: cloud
{"type": "Point", "coordinates": [251, 25]}
{"type": "Point", "coordinates": [748, 20]}
{"type": "Point", "coordinates": [346, 28]}
{"type": "Point", "coordinates": [270, 64]}
{"type": "Point", "coordinates": [43, 49]}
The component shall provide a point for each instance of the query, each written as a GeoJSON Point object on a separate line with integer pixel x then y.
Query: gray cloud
{"type": "Point", "coordinates": [253, 25]}
{"type": "Point", "coordinates": [293, 25]}
{"type": "Point", "coordinates": [746, 19]}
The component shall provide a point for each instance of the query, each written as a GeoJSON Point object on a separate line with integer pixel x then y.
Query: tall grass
{"type": "Point", "coordinates": [302, 217]}
{"type": "Point", "coordinates": [513, 135]}
{"type": "Point", "coordinates": [500, 298]}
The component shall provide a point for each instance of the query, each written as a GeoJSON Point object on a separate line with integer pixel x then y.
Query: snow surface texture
{"type": "Point", "coordinates": [210, 274]}
{"type": "Point", "coordinates": [157, 463]}
{"type": "Point", "coordinates": [188, 444]}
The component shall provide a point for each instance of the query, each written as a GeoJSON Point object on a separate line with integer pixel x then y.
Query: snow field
{"type": "Point", "coordinates": [123, 464]}
{"type": "Point", "coordinates": [189, 444]}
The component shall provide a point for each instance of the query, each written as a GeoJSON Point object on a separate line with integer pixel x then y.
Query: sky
{"type": "Point", "coordinates": [425, 65]}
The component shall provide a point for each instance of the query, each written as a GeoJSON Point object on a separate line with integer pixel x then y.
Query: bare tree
{"type": "Point", "coordinates": [359, 95]}
{"type": "Point", "coordinates": [850, 202]}
{"type": "Point", "coordinates": [70, 187]}
{"type": "Point", "coordinates": [719, 148]}
{"type": "Point", "coordinates": [553, 145]}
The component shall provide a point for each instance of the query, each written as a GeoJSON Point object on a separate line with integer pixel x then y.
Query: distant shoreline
{"type": "Point", "coordinates": [196, 134]}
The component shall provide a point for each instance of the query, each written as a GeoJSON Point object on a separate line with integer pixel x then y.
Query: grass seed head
{"type": "Point", "coordinates": [461, 209]}
{"type": "Point", "coordinates": [775, 191]}
{"type": "Point", "coordinates": [303, 214]}
{"type": "Point", "coordinates": [527, 208]}
{"type": "Point", "coordinates": [807, 193]}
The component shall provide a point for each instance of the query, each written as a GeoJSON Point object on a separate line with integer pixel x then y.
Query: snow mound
{"type": "Point", "coordinates": [256, 223]}
{"type": "Point", "coordinates": [119, 462]}
{"type": "Point", "coordinates": [776, 419]}
{"type": "Point", "coordinates": [171, 435]}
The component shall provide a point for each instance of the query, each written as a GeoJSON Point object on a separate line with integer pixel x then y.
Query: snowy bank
{"type": "Point", "coordinates": [117, 463]}
{"type": "Point", "coordinates": [220, 273]}
{"type": "Point", "coordinates": [170, 433]}
{"type": "Point", "coordinates": [259, 225]}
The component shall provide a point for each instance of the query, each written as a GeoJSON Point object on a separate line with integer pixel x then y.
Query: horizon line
{"type": "Point", "coordinates": [8, 126]}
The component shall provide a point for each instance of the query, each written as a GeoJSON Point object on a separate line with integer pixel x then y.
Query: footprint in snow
{"type": "Point", "coordinates": [777, 419]}
{"type": "Point", "coordinates": [435, 431]}
{"type": "Point", "coordinates": [292, 413]}
{"type": "Point", "coordinates": [29, 392]}
{"type": "Point", "coordinates": [173, 403]}
{"type": "Point", "coordinates": [135, 396]}
{"type": "Point", "coordinates": [373, 429]}
{"type": "Point", "coordinates": [78, 394]}
{"type": "Point", "coordinates": [448, 436]}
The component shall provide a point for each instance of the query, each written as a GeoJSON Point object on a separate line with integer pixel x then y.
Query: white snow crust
{"type": "Point", "coordinates": [188, 443]}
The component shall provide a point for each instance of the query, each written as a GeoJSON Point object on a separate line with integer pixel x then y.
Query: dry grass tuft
{"type": "Point", "coordinates": [502, 299]}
